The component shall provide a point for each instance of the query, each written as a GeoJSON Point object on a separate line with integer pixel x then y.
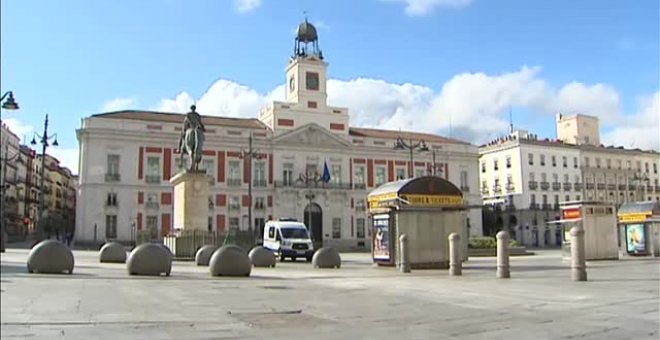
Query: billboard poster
{"type": "Point", "coordinates": [381, 246]}
{"type": "Point", "coordinates": [635, 238]}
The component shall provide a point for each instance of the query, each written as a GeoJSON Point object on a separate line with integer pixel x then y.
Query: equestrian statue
{"type": "Point", "coordinates": [191, 141]}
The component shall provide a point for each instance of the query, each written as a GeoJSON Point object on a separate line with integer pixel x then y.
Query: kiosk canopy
{"type": "Point", "coordinates": [638, 211]}
{"type": "Point", "coordinates": [428, 191]}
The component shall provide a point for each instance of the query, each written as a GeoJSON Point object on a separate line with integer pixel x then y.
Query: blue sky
{"type": "Point", "coordinates": [468, 59]}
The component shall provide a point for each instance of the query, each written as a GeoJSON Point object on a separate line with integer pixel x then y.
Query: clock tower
{"type": "Point", "coordinates": [306, 94]}
{"type": "Point", "coordinates": [306, 72]}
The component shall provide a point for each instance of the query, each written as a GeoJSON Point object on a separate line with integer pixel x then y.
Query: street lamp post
{"type": "Point", "coordinates": [9, 104]}
{"type": "Point", "coordinates": [3, 187]}
{"type": "Point", "coordinates": [249, 155]}
{"type": "Point", "coordinates": [411, 146]}
{"type": "Point", "coordinates": [43, 139]}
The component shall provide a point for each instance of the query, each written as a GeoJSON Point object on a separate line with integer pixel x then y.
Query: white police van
{"type": "Point", "coordinates": [288, 238]}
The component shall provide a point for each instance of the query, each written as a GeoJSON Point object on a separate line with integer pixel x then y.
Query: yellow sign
{"type": "Point", "coordinates": [633, 217]}
{"type": "Point", "coordinates": [383, 197]}
{"type": "Point", "coordinates": [433, 200]}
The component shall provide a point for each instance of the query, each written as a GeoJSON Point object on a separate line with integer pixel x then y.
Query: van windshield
{"type": "Point", "coordinates": [294, 233]}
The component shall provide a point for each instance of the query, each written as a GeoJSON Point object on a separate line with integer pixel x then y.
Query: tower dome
{"type": "Point", "coordinates": [306, 32]}
{"type": "Point", "coordinates": [307, 41]}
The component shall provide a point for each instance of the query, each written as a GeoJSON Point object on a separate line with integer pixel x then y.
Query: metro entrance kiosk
{"type": "Point", "coordinates": [426, 209]}
{"type": "Point", "coordinates": [599, 223]}
{"type": "Point", "coordinates": [639, 226]}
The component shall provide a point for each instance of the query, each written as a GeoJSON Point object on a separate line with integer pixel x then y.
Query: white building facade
{"type": "Point", "coordinates": [127, 158]}
{"type": "Point", "coordinates": [525, 178]}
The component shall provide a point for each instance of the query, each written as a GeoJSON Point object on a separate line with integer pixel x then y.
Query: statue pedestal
{"type": "Point", "coordinates": [191, 200]}
{"type": "Point", "coordinates": [191, 211]}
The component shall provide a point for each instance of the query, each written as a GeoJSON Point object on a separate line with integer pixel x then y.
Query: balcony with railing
{"type": "Point", "coordinates": [153, 179]}
{"type": "Point", "coordinates": [533, 185]}
{"type": "Point", "coordinates": [534, 206]}
{"type": "Point", "coordinates": [485, 191]}
{"type": "Point", "coordinates": [556, 186]}
{"type": "Point", "coordinates": [546, 206]}
{"type": "Point", "coordinates": [316, 185]}
{"type": "Point", "coordinates": [359, 186]}
{"type": "Point", "coordinates": [590, 186]}
{"type": "Point", "coordinates": [600, 186]}
{"type": "Point", "coordinates": [497, 189]}
{"type": "Point", "coordinates": [510, 187]}
{"type": "Point", "coordinates": [152, 205]}
{"type": "Point", "coordinates": [545, 185]}
{"type": "Point", "coordinates": [112, 177]}
{"type": "Point", "coordinates": [259, 183]}
{"type": "Point", "coordinates": [649, 188]}
{"type": "Point", "coordinates": [567, 186]}
{"type": "Point", "coordinates": [578, 186]}
{"type": "Point", "coordinates": [622, 187]}
{"type": "Point", "coordinates": [657, 188]}
{"type": "Point", "coordinates": [234, 182]}
{"type": "Point", "coordinates": [611, 187]}
{"type": "Point", "coordinates": [631, 187]}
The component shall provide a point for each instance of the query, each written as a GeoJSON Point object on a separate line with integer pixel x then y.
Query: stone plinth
{"type": "Point", "coordinates": [191, 200]}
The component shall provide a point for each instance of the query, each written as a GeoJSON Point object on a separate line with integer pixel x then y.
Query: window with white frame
{"type": "Point", "coordinates": [259, 203]}
{"type": "Point", "coordinates": [259, 174]}
{"type": "Point", "coordinates": [360, 228]}
{"type": "Point", "coordinates": [181, 163]}
{"type": "Point", "coordinates": [234, 204]}
{"type": "Point", "coordinates": [359, 175]}
{"type": "Point", "coordinates": [380, 175]}
{"type": "Point", "coordinates": [152, 226]}
{"type": "Point", "coordinates": [287, 174]}
{"type": "Point", "coordinates": [400, 173]}
{"type": "Point", "coordinates": [336, 228]}
{"type": "Point", "coordinates": [419, 172]}
{"type": "Point", "coordinates": [530, 158]}
{"type": "Point", "coordinates": [564, 161]}
{"type": "Point", "coordinates": [209, 166]}
{"type": "Point", "coordinates": [335, 173]}
{"type": "Point", "coordinates": [110, 226]}
{"type": "Point", "coordinates": [553, 159]}
{"type": "Point", "coordinates": [234, 175]}
{"type": "Point", "coordinates": [508, 162]}
{"type": "Point", "coordinates": [113, 167]}
{"type": "Point", "coordinates": [153, 170]}
{"type": "Point", "coordinates": [542, 160]}
{"type": "Point", "coordinates": [233, 223]}
{"type": "Point", "coordinates": [464, 180]}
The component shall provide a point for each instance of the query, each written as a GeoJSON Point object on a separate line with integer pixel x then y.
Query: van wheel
{"type": "Point", "coordinates": [309, 259]}
{"type": "Point", "coordinates": [282, 258]}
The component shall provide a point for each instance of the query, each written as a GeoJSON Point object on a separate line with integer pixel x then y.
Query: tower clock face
{"type": "Point", "coordinates": [312, 81]}
{"type": "Point", "coordinates": [292, 83]}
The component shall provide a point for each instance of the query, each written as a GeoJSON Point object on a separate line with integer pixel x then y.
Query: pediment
{"type": "Point", "coordinates": [313, 135]}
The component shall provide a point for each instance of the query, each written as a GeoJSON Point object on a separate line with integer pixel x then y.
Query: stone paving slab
{"type": "Point", "coordinates": [359, 301]}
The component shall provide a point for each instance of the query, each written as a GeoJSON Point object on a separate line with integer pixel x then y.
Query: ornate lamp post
{"type": "Point", "coordinates": [9, 104]}
{"type": "Point", "coordinates": [401, 144]}
{"type": "Point", "coordinates": [6, 159]}
{"type": "Point", "coordinates": [43, 139]}
{"type": "Point", "coordinates": [249, 155]}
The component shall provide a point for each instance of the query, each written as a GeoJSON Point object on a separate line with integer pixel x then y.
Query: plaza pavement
{"type": "Point", "coordinates": [294, 301]}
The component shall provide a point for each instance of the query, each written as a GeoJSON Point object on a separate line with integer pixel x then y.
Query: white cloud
{"type": "Point", "coordinates": [476, 105]}
{"type": "Point", "coordinates": [17, 127]}
{"type": "Point", "coordinates": [68, 157]}
{"type": "Point", "coordinates": [244, 6]}
{"type": "Point", "coordinates": [119, 104]}
{"type": "Point", "coordinates": [426, 7]}
{"type": "Point", "coordinates": [640, 130]}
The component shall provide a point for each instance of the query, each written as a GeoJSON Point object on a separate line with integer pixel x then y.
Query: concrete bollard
{"type": "Point", "coordinates": [455, 264]}
{"type": "Point", "coordinates": [404, 264]}
{"type": "Point", "coordinates": [578, 261]}
{"type": "Point", "coordinates": [503, 255]}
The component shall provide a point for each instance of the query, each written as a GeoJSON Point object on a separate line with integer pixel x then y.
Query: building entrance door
{"type": "Point", "coordinates": [314, 221]}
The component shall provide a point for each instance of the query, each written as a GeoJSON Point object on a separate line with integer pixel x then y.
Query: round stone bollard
{"type": "Point", "coordinates": [112, 252]}
{"type": "Point", "coordinates": [404, 265]}
{"type": "Point", "coordinates": [50, 257]}
{"type": "Point", "coordinates": [203, 255]}
{"type": "Point", "coordinates": [230, 260]}
{"type": "Point", "coordinates": [326, 257]}
{"type": "Point", "coordinates": [503, 271]}
{"type": "Point", "coordinates": [262, 257]}
{"type": "Point", "coordinates": [149, 259]}
{"type": "Point", "coordinates": [455, 264]}
{"type": "Point", "coordinates": [578, 260]}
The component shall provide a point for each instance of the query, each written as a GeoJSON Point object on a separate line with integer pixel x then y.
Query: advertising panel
{"type": "Point", "coordinates": [381, 246]}
{"type": "Point", "coordinates": [635, 239]}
